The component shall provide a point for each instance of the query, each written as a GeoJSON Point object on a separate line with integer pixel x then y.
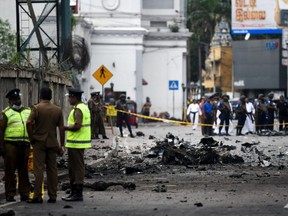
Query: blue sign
{"type": "Point", "coordinates": [173, 85]}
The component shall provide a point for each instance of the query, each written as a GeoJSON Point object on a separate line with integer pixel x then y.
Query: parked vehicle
{"type": "Point", "coordinates": [132, 107]}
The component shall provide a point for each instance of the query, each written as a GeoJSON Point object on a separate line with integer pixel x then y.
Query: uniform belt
{"type": "Point", "coordinates": [18, 143]}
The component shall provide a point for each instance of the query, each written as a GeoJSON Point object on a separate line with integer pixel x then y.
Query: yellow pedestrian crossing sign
{"type": "Point", "coordinates": [102, 74]}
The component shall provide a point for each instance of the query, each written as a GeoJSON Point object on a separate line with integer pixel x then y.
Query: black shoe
{"type": "Point", "coordinates": [35, 200]}
{"type": "Point", "coordinates": [132, 136]}
{"type": "Point", "coordinates": [10, 199]}
{"type": "Point", "coordinates": [74, 197]}
{"type": "Point", "coordinates": [24, 198]}
{"type": "Point", "coordinates": [51, 201]}
{"type": "Point", "coordinates": [105, 137]}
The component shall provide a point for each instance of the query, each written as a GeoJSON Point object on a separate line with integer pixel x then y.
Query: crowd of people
{"type": "Point", "coordinates": [254, 116]}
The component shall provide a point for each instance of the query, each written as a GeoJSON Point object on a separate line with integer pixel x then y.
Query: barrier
{"type": "Point", "coordinates": [184, 122]}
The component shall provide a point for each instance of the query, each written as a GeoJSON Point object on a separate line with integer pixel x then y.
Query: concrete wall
{"type": "Point", "coordinates": [26, 80]}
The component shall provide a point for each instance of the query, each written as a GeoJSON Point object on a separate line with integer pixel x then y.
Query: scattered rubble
{"type": "Point", "coordinates": [177, 152]}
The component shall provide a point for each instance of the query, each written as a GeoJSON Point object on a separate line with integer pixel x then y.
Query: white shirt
{"type": "Point", "coordinates": [194, 107]}
{"type": "Point", "coordinates": [250, 108]}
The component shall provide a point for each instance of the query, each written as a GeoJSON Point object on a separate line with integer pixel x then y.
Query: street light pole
{"type": "Point", "coordinates": [214, 71]}
{"type": "Point", "coordinates": [183, 103]}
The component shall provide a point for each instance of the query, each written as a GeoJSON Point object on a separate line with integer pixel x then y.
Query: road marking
{"type": "Point", "coordinates": [286, 206]}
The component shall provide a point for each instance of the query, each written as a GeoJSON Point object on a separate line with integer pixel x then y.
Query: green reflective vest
{"type": "Point", "coordinates": [16, 125]}
{"type": "Point", "coordinates": [82, 138]}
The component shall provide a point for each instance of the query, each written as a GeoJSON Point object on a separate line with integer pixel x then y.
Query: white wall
{"type": "Point", "coordinates": [160, 66]}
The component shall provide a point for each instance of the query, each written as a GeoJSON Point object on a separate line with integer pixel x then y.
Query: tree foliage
{"type": "Point", "coordinates": [7, 43]}
{"type": "Point", "coordinates": [202, 15]}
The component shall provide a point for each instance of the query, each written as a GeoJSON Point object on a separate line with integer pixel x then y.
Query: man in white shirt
{"type": "Point", "coordinates": [193, 111]}
{"type": "Point", "coordinates": [250, 121]}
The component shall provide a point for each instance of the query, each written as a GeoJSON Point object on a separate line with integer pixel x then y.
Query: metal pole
{"type": "Point", "coordinates": [173, 103]}
{"type": "Point", "coordinates": [214, 71]}
{"type": "Point", "coordinates": [200, 69]}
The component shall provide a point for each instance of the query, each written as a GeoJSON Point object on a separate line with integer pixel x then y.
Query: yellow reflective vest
{"type": "Point", "coordinates": [82, 138]}
{"type": "Point", "coordinates": [16, 125]}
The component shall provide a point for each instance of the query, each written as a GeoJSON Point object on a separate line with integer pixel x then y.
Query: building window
{"type": "Point", "coordinates": [159, 4]}
{"type": "Point", "coordinates": [158, 24]}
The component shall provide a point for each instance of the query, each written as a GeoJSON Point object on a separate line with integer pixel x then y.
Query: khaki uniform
{"type": "Point", "coordinates": [97, 124]}
{"type": "Point", "coordinates": [46, 118]}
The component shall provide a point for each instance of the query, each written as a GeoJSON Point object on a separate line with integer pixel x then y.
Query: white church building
{"type": "Point", "coordinates": [138, 41]}
{"type": "Point", "coordinates": [143, 43]}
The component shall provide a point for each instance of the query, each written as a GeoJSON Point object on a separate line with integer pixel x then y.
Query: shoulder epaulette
{"type": "Point", "coordinates": [6, 109]}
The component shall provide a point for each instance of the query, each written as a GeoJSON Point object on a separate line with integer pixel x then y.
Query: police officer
{"type": "Point", "coordinates": [121, 104]}
{"type": "Point", "coordinates": [15, 146]}
{"type": "Point", "coordinates": [78, 139]}
{"type": "Point", "coordinates": [96, 108]}
{"type": "Point", "coordinates": [42, 126]}
{"type": "Point", "coordinates": [226, 111]}
{"type": "Point", "coordinates": [260, 114]}
{"type": "Point", "coordinates": [271, 110]}
{"type": "Point", "coordinates": [241, 113]}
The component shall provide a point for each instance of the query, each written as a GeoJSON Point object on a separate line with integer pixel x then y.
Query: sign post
{"type": "Point", "coordinates": [102, 75]}
{"type": "Point", "coordinates": [173, 85]}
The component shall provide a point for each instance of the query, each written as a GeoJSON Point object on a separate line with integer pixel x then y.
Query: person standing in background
{"type": "Point", "coordinates": [146, 109]}
{"type": "Point", "coordinates": [271, 110]}
{"type": "Point", "coordinates": [202, 117]}
{"type": "Point", "coordinates": [42, 126]}
{"type": "Point", "coordinates": [121, 104]}
{"type": "Point", "coordinates": [208, 108]}
{"type": "Point", "coordinates": [194, 111]}
{"type": "Point", "coordinates": [96, 108]}
{"type": "Point", "coordinates": [250, 120]}
{"type": "Point", "coordinates": [282, 108]}
{"type": "Point", "coordinates": [15, 146]}
{"type": "Point", "coordinates": [241, 113]}
{"type": "Point", "coordinates": [225, 113]}
{"type": "Point", "coordinates": [260, 114]}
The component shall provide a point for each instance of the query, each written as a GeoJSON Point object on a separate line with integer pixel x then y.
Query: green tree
{"type": "Point", "coordinates": [202, 15]}
{"type": "Point", "coordinates": [8, 51]}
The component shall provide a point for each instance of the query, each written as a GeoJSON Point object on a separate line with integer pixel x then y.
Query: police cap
{"type": "Point", "coordinates": [95, 93]}
{"type": "Point", "coordinates": [13, 93]}
{"type": "Point", "coordinates": [122, 96]}
{"type": "Point", "coordinates": [74, 92]}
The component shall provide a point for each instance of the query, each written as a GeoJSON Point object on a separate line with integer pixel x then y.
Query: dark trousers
{"type": "Point", "coordinates": [45, 157]}
{"type": "Point", "coordinates": [281, 122]}
{"type": "Point", "coordinates": [270, 121]}
{"type": "Point", "coordinates": [76, 166]}
{"type": "Point", "coordinates": [208, 124]}
{"type": "Point", "coordinates": [16, 158]}
{"type": "Point", "coordinates": [261, 121]}
{"type": "Point", "coordinates": [224, 118]}
{"type": "Point", "coordinates": [241, 122]}
{"type": "Point", "coordinates": [123, 117]}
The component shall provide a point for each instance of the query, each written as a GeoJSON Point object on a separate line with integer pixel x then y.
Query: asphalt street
{"type": "Point", "coordinates": [243, 189]}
